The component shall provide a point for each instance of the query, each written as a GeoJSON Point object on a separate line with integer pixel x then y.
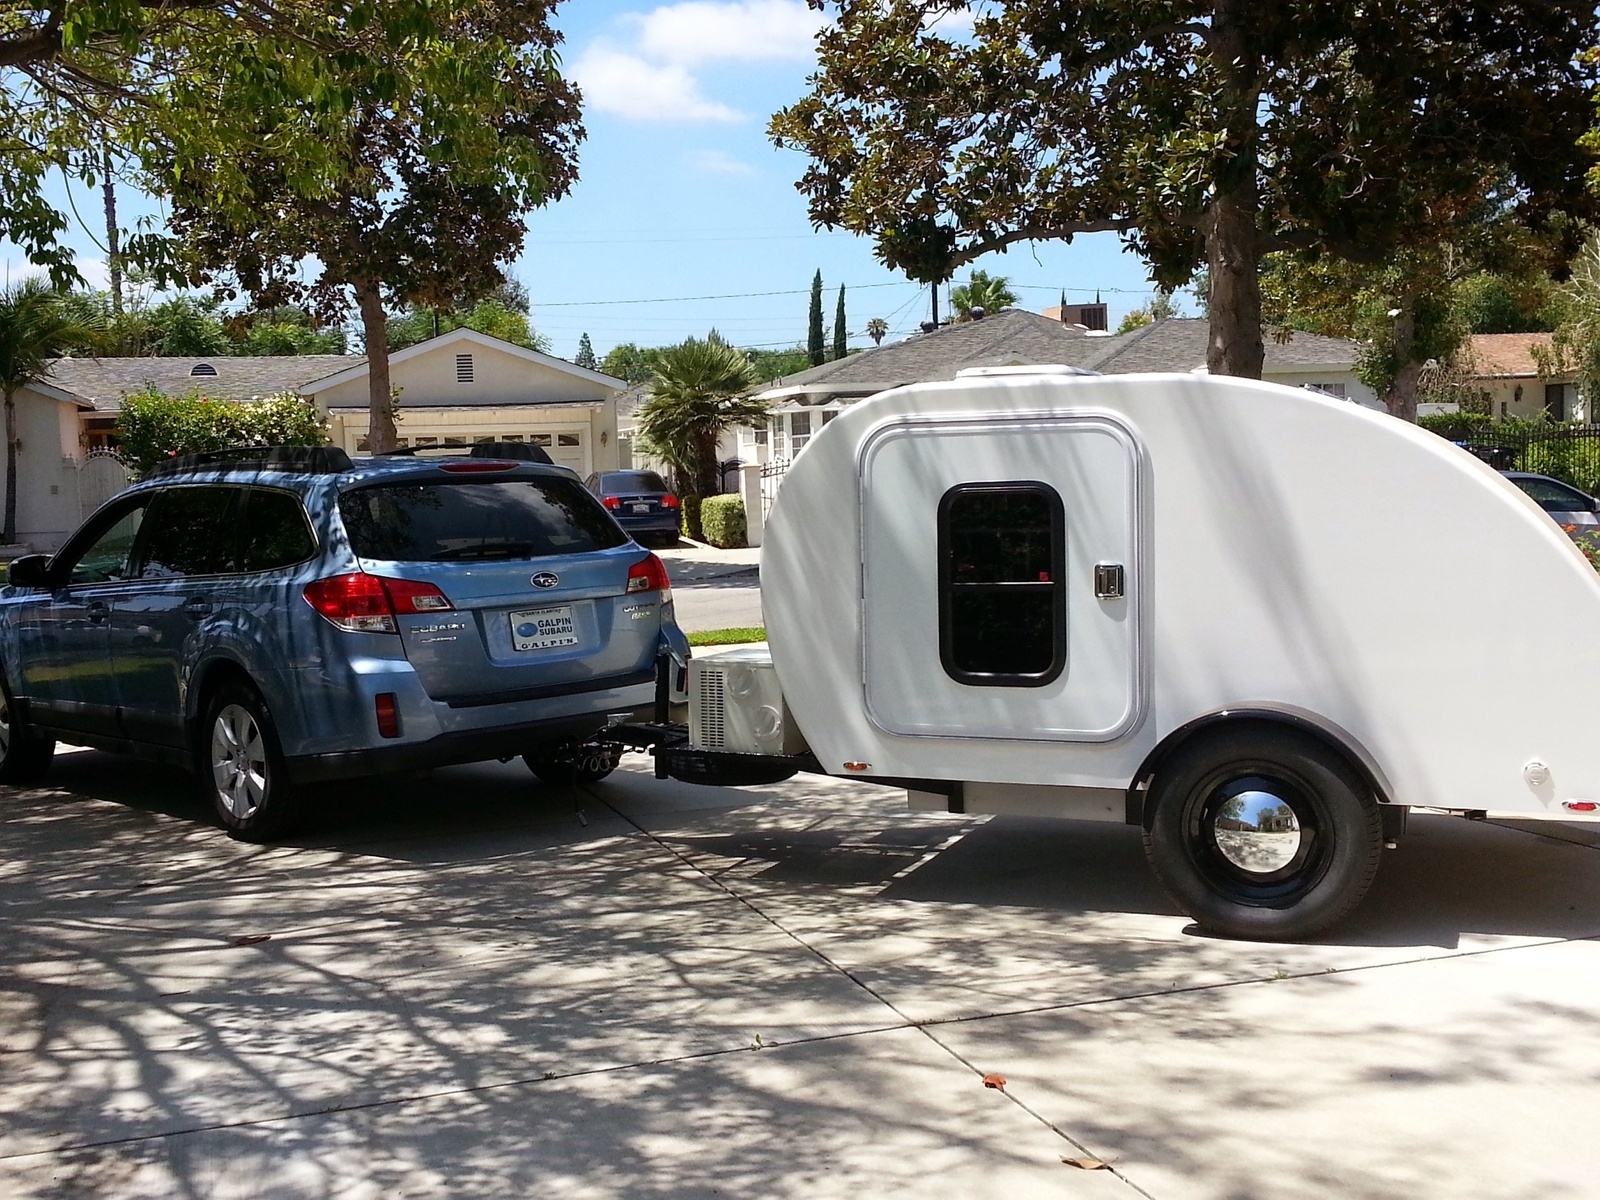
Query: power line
{"type": "Point", "coordinates": [724, 296]}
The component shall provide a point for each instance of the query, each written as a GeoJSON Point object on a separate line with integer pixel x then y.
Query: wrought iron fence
{"type": "Point", "coordinates": [771, 476]}
{"type": "Point", "coordinates": [1570, 453]}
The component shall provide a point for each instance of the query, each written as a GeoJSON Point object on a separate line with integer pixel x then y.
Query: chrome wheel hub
{"type": "Point", "coordinates": [238, 762]}
{"type": "Point", "coordinates": [1256, 831]}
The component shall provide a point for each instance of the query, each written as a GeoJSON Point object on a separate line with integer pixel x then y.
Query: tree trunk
{"type": "Point", "coordinates": [113, 238]}
{"type": "Point", "coordinates": [1233, 244]}
{"type": "Point", "coordinates": [1401, 398]}
{"type": "Point", "coordinates": [380, 403]}
{"type": "Point", "coordinates": [706, 483]}
{"type": "Point", "coordinates": [9, 536]}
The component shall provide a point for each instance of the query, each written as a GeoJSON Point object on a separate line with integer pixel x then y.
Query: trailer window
{"type": "Point", "coordinates": [1002, 594]}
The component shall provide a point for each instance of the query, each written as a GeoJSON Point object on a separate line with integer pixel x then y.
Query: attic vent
{"type": "Point", "coordinates": [202, 369]}
{"type": "Point", "coordinates": [463, 368]}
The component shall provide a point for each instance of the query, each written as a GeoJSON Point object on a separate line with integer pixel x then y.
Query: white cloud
{"type": "Point", "coordinates": [14, 269]}
{"type": "Point", "coordinates": [628, 86]}
{"type": "Point", "coordinates": [701, 31]}
{"type": "Point", "coordinates": [715, 162]}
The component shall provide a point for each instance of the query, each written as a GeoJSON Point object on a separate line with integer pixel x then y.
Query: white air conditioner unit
{"type": "Point", "coordinates": [735, 704]}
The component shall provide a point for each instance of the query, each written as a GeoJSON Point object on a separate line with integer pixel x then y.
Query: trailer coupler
{"type": "Point", "coordinates": [677, 759]}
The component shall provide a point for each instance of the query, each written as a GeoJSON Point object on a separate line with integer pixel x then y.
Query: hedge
{"type": "Point", "coordinates": [691, 517]}
{"type": "Point", "coordinates": [722, 520]}
{"type": "Point", "coordinates": [154, 426]}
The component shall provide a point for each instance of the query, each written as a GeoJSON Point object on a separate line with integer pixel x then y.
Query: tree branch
{"type": "Point", "coordinates": [1039, 233]}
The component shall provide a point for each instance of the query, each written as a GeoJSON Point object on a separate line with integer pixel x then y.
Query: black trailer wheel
{"type": "Point", "coordinates": [573, 764]}
{"type": "Point", "coordinates": [24, 757]}
{"type": "Point", "coordinates": [1262, 833]}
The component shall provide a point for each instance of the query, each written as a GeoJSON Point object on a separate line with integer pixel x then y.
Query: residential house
{"type": "Point", "coordinates": [804, 402]}
{"type": "Point", "coordinates": [1509, 374]}
{"type": "Point", "coordinates": [453, 390]}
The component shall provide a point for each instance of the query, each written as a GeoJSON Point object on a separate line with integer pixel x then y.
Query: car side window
{"type": "Point", "coordinates": [275, 531]}
{"type": "Point", "coordinates": [192, 531]}
{"type": "Point", "coordinates": [107, 558]}
{"type": "Point", "coordinates": [1552, 497]}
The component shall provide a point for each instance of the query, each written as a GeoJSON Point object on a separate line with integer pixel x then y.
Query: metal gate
{"type": "Point", "coordinates": [771, 476]}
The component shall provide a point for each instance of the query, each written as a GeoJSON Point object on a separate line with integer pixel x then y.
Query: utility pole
{"type": "Point", "coordinates": [936, 305]}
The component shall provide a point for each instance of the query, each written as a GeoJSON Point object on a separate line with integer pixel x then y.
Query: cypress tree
{"type": "Point", "coordinates": [840, 336]}
{"type": "Point", "coordinates": [585, 355]}
{"type": "Point", "coordinates": [814, 343]}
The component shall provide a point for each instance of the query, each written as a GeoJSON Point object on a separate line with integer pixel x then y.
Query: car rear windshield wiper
{"type": "Point", "coordinates": [487, 550]}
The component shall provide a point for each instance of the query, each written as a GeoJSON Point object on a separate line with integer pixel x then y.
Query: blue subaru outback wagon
{"type": "Point", "coordinates": [278, 617]}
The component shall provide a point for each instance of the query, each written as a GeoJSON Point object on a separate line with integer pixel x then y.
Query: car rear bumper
{"type": "Point", "coordinates": [447, 749]}
{"type": "Point", "coordinates": [668, 522]}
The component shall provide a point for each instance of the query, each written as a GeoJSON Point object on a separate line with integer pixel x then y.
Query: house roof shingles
{"type": "Point", "coordinates": [104, 382]}
{"type": "Point", "coordinates": [1507, 355]}
{"type": "Point", "coordinates": [1014, 335]}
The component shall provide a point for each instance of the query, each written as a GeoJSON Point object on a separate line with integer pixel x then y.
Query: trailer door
{"type": "Point", "coordinates": [1001, 578]}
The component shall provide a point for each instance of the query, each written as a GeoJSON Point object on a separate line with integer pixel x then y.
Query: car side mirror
{"type": "Point", "coordinates": [31, 571]}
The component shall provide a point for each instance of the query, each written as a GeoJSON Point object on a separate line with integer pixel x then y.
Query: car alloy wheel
{"type": "Point", "coordinates": [238, 761]}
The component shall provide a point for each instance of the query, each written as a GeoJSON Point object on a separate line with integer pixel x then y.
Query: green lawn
{"type": "Point", "coordinates": [728, 637]}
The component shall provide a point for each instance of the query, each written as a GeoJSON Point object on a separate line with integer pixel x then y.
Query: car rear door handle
{"type": "Point", "coordinates": [96, 611]}
{"type": "Point", "coordinates": [196, 606]}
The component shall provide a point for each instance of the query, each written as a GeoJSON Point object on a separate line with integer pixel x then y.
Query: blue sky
{"type": "Point", "coordinates": [681, 195]}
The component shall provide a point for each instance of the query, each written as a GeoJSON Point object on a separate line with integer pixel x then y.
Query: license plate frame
{"type": "Point", "coordinates": [552, 628]}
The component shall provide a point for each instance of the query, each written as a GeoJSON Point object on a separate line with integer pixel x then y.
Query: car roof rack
{"type": "Point", "coordinates": [309, 460]}
{"type": "Point", "coordinates": [514, 451]}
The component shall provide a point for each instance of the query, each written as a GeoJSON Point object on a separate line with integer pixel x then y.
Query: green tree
{"type": "Point", "coordinates": [35, 330]}
{"type": "Point", "coordinates": [629, 362]}
{"type": "Point", "coordinates": [815, 346]}
{"type": "Point", "coordinates": [1205, 132]}
{"type": "Point", "coordinates": [695, 395]}
{"type": "Point", "coordinates": [406, 178]}
{"type": "Point", "coordinates": [585, 356]}
{"type": "Point", "coordinates": [876, 328]}
{"type": "Point", "coordinates": [489, 316]}
{"type": "Point", "coordinates": [285, 330]}
{"type": "Point", "coordinates": [1160, 308]}
{"type": "Point", "coordinates": [1575, 346]}
{"type": "Point", "coordinates": [775, 364]}
{"type": "Point", "coordinates": [981, 291]}
{"type": "Point", "coordinates": [841, 335]}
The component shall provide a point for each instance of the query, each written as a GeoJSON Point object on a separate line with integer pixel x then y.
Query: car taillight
{"type": "Point", "coordinates": [669, 501]}
{"type": "Point", "coordinates": [362, 603]}
{"type": "Point", "coordinates": [649, 574]}
{"type": "Point", "coordinates": [611, 501]}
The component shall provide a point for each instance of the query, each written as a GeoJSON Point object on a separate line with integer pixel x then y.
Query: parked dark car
{"type": "Point", "coordinates": [641, 502]}
{"type": "Point", "coordinates": [273, 618]}
{"type": "Point", "coordinates": [1574, 511]}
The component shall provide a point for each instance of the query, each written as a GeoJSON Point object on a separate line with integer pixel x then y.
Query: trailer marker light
{"type": "Point", "coordinates": [857, 766]}
{"type": "Point", "coordinates": [1580, 805]}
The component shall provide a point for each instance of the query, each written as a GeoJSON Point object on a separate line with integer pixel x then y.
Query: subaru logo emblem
{"type": "Point", "coordinates": [545, 580]}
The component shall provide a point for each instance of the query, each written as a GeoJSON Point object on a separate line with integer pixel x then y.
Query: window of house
{"type": "Point", "coordinates": [455, 441]}
{"type": "Point", "coordinates": [463, 368]}
{"type": "Point", "coordinates": [425, 441]}
{"type": "Point", "coordinates": [828, 415]}
{"type": "Point", "coordinates": [780, 443]}
{"type": "Point", "coordinates": [1002, 592]}
{"type": "Point", "coordinates": [799, 429]}
{"type": "Point", "coordinates": [539, 439]}
{"type": "Point", "coordinates": [568, 439]}
{"type": "Point", "coordinates": [1333, 389]}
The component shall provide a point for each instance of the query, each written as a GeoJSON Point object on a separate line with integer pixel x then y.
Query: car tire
{"type": "Point", "coordinates": [1300, 865]}
{"type": "Point", "coordinates": [569, 766]}
{"type": "Point", "coordinates": [24, 757]}
{"type": "Point", "coordinates": [241, 767]}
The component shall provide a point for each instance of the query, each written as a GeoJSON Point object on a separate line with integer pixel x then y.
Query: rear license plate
{"type": "Point", "coordinates": [542, 628]}
{"type": "Point", "coordinates": [640, 508]}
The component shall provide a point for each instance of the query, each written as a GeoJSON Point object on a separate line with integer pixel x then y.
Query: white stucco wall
{"type": "Point", "coordinates": [498, 378]}
{"type": "Point", "coordinates": [47, 475]}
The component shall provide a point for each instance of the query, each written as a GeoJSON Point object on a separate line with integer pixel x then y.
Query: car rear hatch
{"type": "Point", "coordinates": [538, 593]}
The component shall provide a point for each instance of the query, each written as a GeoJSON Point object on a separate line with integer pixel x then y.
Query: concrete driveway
{"type": "Point", "coordinates": [451, 987]}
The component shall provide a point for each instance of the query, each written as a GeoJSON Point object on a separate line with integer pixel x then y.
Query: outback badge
{"type": "Point", "coordinates": [544, 579]}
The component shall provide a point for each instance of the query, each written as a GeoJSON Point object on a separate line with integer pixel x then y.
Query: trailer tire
{"type": "Point", "coordinates": [1263, 834]}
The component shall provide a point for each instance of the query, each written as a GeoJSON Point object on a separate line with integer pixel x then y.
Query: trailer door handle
{"type": "Point", "coordinates": [1109, 581]}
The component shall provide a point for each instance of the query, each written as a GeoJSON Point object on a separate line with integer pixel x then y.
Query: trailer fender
{"type": "Point", "coordinates": [1331, 735]}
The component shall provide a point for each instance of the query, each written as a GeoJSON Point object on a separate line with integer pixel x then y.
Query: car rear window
{"type": "Point", "coordinates": [448, 522]}
{"type": "Point", "coordinates": [619, 483]}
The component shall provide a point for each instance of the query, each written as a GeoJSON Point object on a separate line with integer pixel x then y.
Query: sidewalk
{"type": "Point", "coordinates": [694, 562]}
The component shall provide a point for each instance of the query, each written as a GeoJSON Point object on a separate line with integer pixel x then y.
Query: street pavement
{"type": "Point", "coordinates": [453, 986]}
{"type": "Point", "coordinates": [714, 589]}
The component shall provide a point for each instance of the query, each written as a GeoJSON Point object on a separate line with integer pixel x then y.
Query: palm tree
{"type": "Point", "coordinates": [35, 330]}
{"type": "Point", "coordinates": [980, 291]}
{"type": "Point", "coordinates": [876, 328]}
{"type": "Point", "coordinates": [696, 394]}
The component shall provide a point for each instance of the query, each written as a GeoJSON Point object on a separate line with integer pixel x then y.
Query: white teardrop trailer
{"type": "Point", "coordinates": [1260, 623]}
